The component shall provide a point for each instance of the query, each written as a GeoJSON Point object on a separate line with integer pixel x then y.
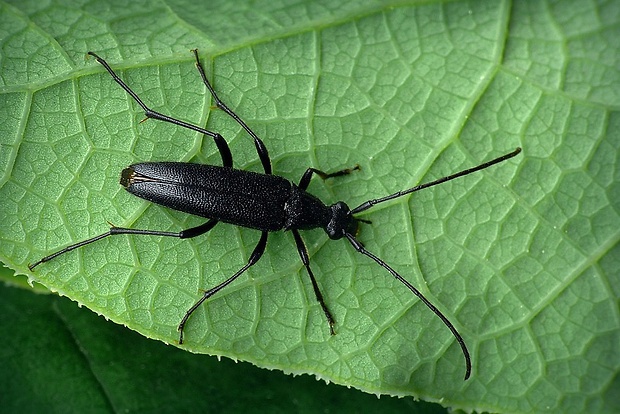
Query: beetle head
{"type": "Point", "coordinates": [341, 221]}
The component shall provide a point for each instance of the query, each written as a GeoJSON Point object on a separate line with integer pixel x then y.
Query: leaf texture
{"type": "Point", "coordinates": [522, 257]}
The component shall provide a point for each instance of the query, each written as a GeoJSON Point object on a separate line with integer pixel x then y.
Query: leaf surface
{"type": "Point", "coordinates": [522, 258]}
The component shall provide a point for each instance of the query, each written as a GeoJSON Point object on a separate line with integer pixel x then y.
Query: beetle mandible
{"type": "Point", "coordinates": [261, 201]}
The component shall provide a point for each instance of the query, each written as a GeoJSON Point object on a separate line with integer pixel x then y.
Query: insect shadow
{"type": "Point", "coordinates": [260, 201]}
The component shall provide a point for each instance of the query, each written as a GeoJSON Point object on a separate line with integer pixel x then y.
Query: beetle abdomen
{"type": "Point", "coordinates": [233, 196]}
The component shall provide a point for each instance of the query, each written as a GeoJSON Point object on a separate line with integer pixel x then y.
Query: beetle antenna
{"type": "Point", "coordinates": [361, 249]}
{"type": "Point", "coordinates": [368, 204]}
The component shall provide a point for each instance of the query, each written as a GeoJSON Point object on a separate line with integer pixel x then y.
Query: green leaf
{"type": "Point", "coordinates": [522, 258]}
{"type": "Point", "coordinates": [106, 368]}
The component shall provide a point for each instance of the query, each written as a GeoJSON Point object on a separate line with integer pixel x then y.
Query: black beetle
{"type": "Point", "coordinates": [264, 202]}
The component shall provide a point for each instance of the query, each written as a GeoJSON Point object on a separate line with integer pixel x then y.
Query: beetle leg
{"type": "Point", "coordinates": [305, 179]}
{"type": "Point", "coordinates": [222, 146]}
{"type": "Point", "coordinates": [183, 234]}
{"type": "Point", "coordinates": [303, 253]}
{"type": "Point", "coordinates": [263, 154]}
{"type": "Point", "coordinates": [254, 257]}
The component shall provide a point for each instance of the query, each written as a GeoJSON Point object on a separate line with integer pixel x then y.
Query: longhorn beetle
{"type": "Point", "coordinates": [264, 202]}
